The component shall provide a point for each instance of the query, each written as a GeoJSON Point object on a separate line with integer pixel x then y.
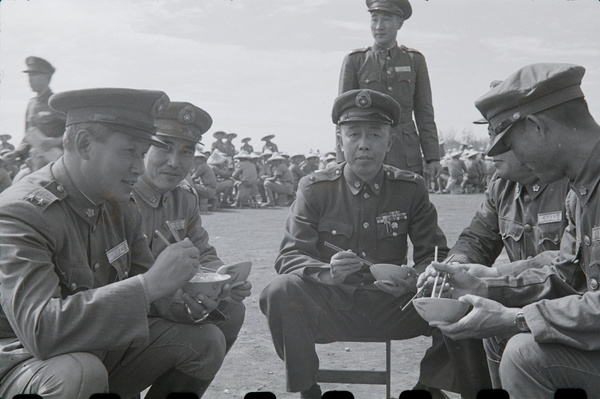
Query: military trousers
{"type": "Point", "coordinates": [300, 313]}
{"type": "Point", "coordinates": [179, 357]}
{"type": "Point", "coordinates": [532, 370]}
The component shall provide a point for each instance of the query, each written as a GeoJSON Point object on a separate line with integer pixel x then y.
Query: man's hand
{"type": "Point", "coordinates": [199, 306]}
{"type": "Point", "coordinates": [435, 168]}
{"type": "Point", "coordinates": [400, 285]}
{"type": "Point", "coordinates": [460, 281]}
{"type": "Point", "coordinates": [487, 319]}
{"type": "Point", "coordinates": [343, 264]}
{"type": "Point", "coordinates": [174, 267]}
{"type": "Point", "coordinates": [239, 292]}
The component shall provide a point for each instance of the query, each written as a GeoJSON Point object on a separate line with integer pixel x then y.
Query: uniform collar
{"type": "Point", "coordinates": [43, 97]}
{"type": "Point", "coordinates": [384, 51]}
{"type": "Point", "coordinates": [356, 184]}
{"type": "Point", "coordinates": [149, 194]}
{"type": "Point", "coordinates": [85, 208]}
{"type": "Point", "coordinates": [587, 179]}
{"type": "Point", "coordinates": [533, 189]}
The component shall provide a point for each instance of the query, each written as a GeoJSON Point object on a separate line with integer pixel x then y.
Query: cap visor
{"type": "Point", "coordinates": [497, 146]}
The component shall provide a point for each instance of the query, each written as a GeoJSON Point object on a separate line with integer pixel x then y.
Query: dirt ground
{"type": "Point", "coordinates": [252, 364]}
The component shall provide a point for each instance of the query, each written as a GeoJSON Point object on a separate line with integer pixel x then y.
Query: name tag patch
{"type": "Point", "coordinates": [549, 217]}
{"type": "Point", "coordinates": [117, 252]}
{"type": "Point", "coordinates": [596, 234]}
{"type": "Point", "coordinates": [178, 224]}
{"type": "Point", "coordinates": [402, 68]}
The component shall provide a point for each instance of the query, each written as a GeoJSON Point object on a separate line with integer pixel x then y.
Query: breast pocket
{"type": "Point", "coordinates": [367, 77]}
{"type": "Point", "coordinates": [406, 84]}
{"type": "Point", "coordinates": [74, 276]}
{"type": "Point", "coordinates": [334, 231]}
{"type": "Point", "coordinates": [549, 235]}
{"type": "Point", "coordinates": [392, 241]}
{"type": "Point", "coordinates": [510, 230]}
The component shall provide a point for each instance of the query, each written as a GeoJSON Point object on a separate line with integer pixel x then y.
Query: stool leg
{"type": "Point", "coordinates": [388, 368]}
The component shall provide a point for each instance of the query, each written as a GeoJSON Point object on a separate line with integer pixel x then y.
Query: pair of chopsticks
{"type": "Point", "coordinates": [178, 239]}
{"type": "Point", "coordinates": [336, 248]}
{"type": "Point", "coordinates": [420, 292]}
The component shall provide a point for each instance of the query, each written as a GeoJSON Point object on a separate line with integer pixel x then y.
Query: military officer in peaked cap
{"type": "Point", "coordinates": [170, 206]}
{"type": "Point", "coordinates": [369, 209]}
{"type": "Point", "coordinates": [80, 286]}
{"type": "Point", "coordinates": [401, 73]}
{"type": "Point", "coordinates": [44, 126]}
{"type": "Point", "coordinates": [539, 112]}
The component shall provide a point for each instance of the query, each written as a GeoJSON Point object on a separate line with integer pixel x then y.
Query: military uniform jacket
{"type": "Point", "coordinates": [402, 74]}
{"type": "Point", "coordinates": [567, 310]}
{"type": "Point", "coordinates": [282, 174]}
{"type": "Point", "coordinates": [526, 220]}
{"type": "Point", "coordinates": [372, 219]}
{"type": "Point", "coordinates": [246, 172]}
{"type": "Point", "coordinates": [40, 115]}
{"type": "Point", "coordinates": [178, 209]}
{"type": "Point", "coordinates": [66, 267]}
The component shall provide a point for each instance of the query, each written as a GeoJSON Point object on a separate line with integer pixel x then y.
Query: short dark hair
{"type": "Point", "coordinates": [98, 132]}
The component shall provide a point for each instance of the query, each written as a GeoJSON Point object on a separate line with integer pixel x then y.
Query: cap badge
{"type": "Point", "coordinates": [186, 115]}
{"type": "Point", "coordinates": [363, 100]}
{"type": "Point", "coordinates": [160, 104]}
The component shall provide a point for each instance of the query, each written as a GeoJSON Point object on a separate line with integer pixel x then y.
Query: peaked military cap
{"type": "Point", "coordinates": [129, 111]}
{"type": "Point", "coordinates": [531, 89]}
{"type": "Point", "coordinates": [399, 7]}
{"type": "Point", "coordinates": [184, 121]}
{"type": "Point", "coordinates": [365, 105]}
{"type": "Point", "coordinates": [38, 65]}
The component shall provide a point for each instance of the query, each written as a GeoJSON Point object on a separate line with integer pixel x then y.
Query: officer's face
{"type": "Point", "coordinates": [112, 168]}
{"type": "Point", "coordinates": [384, 27]}
{"type": "Point", "coordinates": [39, 81]}
{"type": "Point", "coordinates": [167, 167]}
{"type": "Point", "coordinates": [540, 153]}
{"type": "Point", "coordinates": [510, 168]}
{"type": "Point", "coordinates": [365, 145]}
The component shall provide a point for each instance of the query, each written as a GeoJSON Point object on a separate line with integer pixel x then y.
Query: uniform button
{"type": "Point", "coordinates": [337, 172]}
{"type": "Point", "coordinates": [125, 274]}
{"type": "Point", "coordinates": [96, 267]}
{"type": "Point", "coordinates": [60, 188]}
{"type": "Point", "coordinates": [388, 58]}
{"type": "Point", "coordinates": [73, 286]}
{"type": "Point", "coordinates": [334, 232]}
{"type": "Point", "coordinates": [394, 234]}
{"type": "Point", "coordinates": [366, 225]}
{"type": "Point", "coordinates": [367, 80]}
{"type": "Point", "coordinates": [389, 72]}
{"type": "Point", "coordinates": [366, 195]}
{"type": "Point", "coordinates": [528, 228]}
{"type": "Point", "coordinates": [363, 253]}
{"type": "Point", "coordinates": [593, 284]}
{"type": "Point", "coordinates": [576, 260]}
{"type": "Point", "coordinates": [376, 186]}
{"type": "Point", "coordinates": [390, 88]}
{"type": "Point", "coordinates": [527, 198]}
{"type": "Point", "coordinates": [586, 239]}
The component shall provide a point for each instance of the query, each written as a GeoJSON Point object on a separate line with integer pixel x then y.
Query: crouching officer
{"type": "Point", "coordinates": [79, 282]}
{"type": "Point", "coordinates": [169, 207]}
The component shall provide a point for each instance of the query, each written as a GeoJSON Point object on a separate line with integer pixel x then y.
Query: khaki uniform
{"type": "Point", "coordinates": [402, 74]}
{"type": "Point", "coordinates": [375, 221]}
{"type": "Point", "coordinates": [68, 270]}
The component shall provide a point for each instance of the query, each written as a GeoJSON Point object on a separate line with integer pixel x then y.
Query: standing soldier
{"type": "Point", "coordinates": [269, 145]}
{"type": "Point", "coordinates": [4, 144]}
{"type": "Point", "coordinates": [229, 146]}
{"type": "Point", "coordinates": [247, 147]}
{"type": "Point", "coordinates": [44, 127]}
{"type": "Point", "coordinates": [219, 144]}
{"type": "Point", "coordinates": [401, 73]}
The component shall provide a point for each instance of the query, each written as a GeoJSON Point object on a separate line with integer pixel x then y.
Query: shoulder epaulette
{"type": "Point", "coordinates": [412, 50]}
{"type": "Point", "coordinates": [360, 50]}
{"type": "Point", "coordinates": [330, 174]}
{"type": "Point", "coordinates": [43, 196]}
{"type": "Point", "coordinates": [393, 173]}
{"type": "Point", "coordinates": [185, 186]}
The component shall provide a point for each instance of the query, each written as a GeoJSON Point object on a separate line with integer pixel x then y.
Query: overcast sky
{"type": "Point", "coordinates": [272, 66]}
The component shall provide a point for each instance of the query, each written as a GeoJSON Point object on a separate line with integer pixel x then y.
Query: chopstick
{"type": "Point", "coordinates": [448, 259]}
{"type": "Point", "coordinates": [336, 248]}
{"type": "Point", "coordinates": [174, 232]}
{"type": "Point", "coordinates": [162, 237]}
{"type": "Point", "coordinates": [177, 238]}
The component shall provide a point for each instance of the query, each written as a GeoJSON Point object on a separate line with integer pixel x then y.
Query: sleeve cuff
{"type": "Point", "coordinates": [145, 289]}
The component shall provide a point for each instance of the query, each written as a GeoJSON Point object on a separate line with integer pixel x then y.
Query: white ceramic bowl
{"type": "Point", "coordinates": [209, 284]}
{"type": "Point", "coordinates": [239, 272]}
{"type": "Point", "coordinates": [441, 311]}
{"type": "Point", "coordinates": [384, 271]}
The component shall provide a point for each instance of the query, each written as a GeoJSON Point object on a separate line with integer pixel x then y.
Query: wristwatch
{"type": "Point", "coordinates": [189, 312]}
{"type": "Point", "coordinates": [521, 323]}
